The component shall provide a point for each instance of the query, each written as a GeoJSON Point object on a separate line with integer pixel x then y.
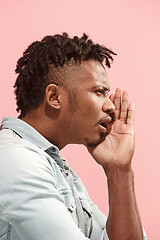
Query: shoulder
{"type": "Point", "coordinates": [15, 149]}
{"type": "Point", "coordinates": [20, 160]}
{"type": "Point", "coordinates": [25, 172]}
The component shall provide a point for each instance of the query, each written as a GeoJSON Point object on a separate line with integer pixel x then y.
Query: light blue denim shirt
{"type": "Point", "coordinates": [41, 198]}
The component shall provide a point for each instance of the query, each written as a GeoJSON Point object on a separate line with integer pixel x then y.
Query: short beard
{"type": "Point", "coordinates": [95, 143]}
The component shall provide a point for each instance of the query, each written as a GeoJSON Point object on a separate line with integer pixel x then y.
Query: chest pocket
{"type": "Point", "coordinates": [86, 219]}
{"type": "Point", "coordinates": [86, 206]}
{"type": "Point", "coordinates": [68, 199]}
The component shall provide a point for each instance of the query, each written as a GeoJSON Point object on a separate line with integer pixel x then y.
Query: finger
{"type": "Point", "coordinates": [124, 107]}
{"type": "Point", "coordinates": [117, 102]}
{"type": "Point", "coordinates": [130, 117]}
{"type": "Point", "coordinates": [112, 97]}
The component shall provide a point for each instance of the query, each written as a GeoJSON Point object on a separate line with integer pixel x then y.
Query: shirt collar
{"type": "Point", "coordinates": [27, 132]}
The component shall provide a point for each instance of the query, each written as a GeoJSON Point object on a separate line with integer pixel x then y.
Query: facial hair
{"type": "Point", "coordinates": [95, 143]}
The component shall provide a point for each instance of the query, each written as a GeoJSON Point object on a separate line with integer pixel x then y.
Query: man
{"type": "Point", "coordinates": [62, 93]}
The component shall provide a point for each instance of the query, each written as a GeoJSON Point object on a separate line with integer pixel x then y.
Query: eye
{"type": "Point", "coordinates": [101, 92]}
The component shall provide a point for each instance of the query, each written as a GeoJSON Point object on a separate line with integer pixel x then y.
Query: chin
{"type": "Point", "coordinates": [94, 143]}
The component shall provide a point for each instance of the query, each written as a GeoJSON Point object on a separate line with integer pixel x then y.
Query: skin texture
{"type": "Point", "coordinates": [111, 146]}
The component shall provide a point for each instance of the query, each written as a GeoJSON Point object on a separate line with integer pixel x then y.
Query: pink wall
{"type": "Point", "coordinates": [132, 29]}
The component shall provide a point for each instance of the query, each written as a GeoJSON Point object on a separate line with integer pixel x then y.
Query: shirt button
{"type": "Point", "coordinates": [72, 206]}
{"type": "Point", "coordinates": [67, 174]}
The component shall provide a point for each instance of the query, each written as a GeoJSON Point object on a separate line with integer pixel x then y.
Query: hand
{"type": "Point", "coordinates": [118, 147]}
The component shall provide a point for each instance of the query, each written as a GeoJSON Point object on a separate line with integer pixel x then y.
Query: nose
{"type": "Point", "coordinates": [108, 107]}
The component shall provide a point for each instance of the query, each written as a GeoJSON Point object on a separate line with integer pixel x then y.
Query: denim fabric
{"type": "Point", "coordinates": [40, 196]}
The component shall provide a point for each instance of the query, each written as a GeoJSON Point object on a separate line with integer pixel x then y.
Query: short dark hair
{"type": "Point", "coordinates": [57, 50]}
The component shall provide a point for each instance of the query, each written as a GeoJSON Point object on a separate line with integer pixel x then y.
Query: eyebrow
{"type": "Point", "coordinates": [103, 87]}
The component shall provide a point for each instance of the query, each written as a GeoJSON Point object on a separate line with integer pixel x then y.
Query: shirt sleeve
{"type": "Point", "coordinates": [30, 200]}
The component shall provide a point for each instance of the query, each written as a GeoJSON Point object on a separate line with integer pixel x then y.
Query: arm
{"type": "Point", "coordinates": [123, 220]}
{"type": "Point", "coordinates": [30, 199]}
{"type": "Point", "coordinates": [115, 154]}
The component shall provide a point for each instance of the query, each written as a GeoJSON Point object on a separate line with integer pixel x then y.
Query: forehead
{"type": "Point", "coordinates": [92, 73]}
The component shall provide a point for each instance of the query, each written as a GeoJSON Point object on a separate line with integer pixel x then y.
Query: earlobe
{"type": "Point", "coordinates": [52, 96]}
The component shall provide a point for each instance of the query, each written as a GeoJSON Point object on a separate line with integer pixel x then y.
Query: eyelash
{"type": "Point", "coordinates": [101, 91]}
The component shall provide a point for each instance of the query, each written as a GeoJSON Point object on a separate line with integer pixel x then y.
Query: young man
{"type": "Point", "coordinates": [62, 93]}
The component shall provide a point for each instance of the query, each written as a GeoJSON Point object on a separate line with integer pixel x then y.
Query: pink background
{"type": "Point", "coordinates": [130, 28]}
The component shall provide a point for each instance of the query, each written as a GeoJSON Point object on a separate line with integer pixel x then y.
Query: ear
{"type": "Point", "coordinates": [52, 96]}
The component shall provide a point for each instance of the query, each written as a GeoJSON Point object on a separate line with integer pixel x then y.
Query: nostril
{"type": "Point", "coordinates": [110, 109]}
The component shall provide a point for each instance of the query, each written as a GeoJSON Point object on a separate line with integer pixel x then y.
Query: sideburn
{"type": "Point", "coordinates": [73, 105]}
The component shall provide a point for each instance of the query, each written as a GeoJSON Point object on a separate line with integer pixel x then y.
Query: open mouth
{"type": "Point", "coordinates": [105, 125]}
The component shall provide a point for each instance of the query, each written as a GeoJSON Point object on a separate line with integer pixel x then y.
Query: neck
{"type": "Point", "coordinates": [47, 127]}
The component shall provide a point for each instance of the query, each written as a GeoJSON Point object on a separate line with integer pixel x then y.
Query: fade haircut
{"type": "Point", "coordinates": [52, 52]}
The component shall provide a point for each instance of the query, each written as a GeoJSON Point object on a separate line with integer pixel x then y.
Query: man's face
{"type": "Point", "coordinates": [89, 113]}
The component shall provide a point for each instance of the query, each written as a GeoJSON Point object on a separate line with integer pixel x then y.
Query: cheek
{"type": "Point", "coordinates": [89, 110]}
{"type": "Point", "coordinates": [93, 109]}
{"type": "Point", "coordinates": [89, 115]}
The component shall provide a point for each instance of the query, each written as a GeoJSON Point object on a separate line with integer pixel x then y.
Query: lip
{"type": "Point", "coordinates": [103, 129]}
{"type": "Point", "coordinates": [106, 127]}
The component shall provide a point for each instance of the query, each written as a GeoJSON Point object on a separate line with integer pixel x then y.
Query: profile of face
{"type": "Point", "coordinates": [89, 115]}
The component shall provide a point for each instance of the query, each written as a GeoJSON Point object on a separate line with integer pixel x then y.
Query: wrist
{"type": "Point", "coordinates": [121, 176]}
